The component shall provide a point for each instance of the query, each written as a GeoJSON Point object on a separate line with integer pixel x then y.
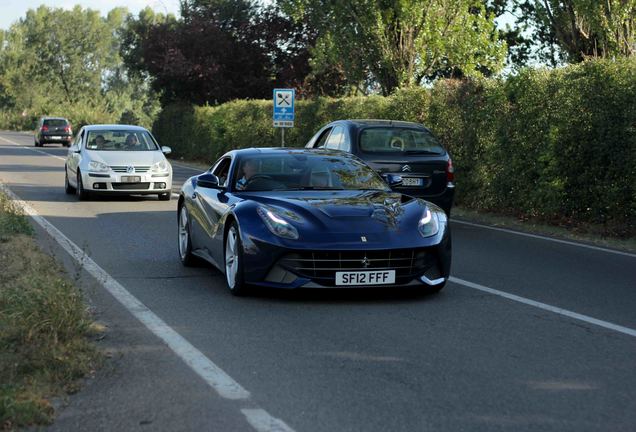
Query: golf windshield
{"type": "Point", "coordinates": [305, 171]}
{"type": "Point", "coordinates": [120, 140]}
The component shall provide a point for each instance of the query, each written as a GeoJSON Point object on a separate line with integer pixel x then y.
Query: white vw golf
{"type": "Point", "coordinates": [117, 159]}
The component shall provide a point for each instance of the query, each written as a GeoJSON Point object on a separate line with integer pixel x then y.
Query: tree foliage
{"type": "Point", "coordinates": [401, 43]}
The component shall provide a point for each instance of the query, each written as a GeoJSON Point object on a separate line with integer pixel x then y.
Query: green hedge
{"type": "Point", "coordinates": [558, 145]}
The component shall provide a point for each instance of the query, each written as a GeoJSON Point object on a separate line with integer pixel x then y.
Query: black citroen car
{"type": "Point", "coordinates": [395, 147]}
{"type": "Point", "coordinates": [53, 130]}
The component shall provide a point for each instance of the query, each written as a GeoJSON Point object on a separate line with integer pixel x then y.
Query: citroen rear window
{"type": "Point", "coordinates": [396, 140]}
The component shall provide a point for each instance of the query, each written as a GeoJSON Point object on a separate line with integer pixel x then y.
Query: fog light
{"type": "Point", "coordinates": [99, 185]}
{"type": "Point", "coordinates": [160, 185]}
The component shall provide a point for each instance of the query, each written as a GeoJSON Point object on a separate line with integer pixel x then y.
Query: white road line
{"type": "Point", "coordinates": [213, 375]}
{"type": "Point", "coordinates": [263, 422]}
{"type": "Point", "coordinates": [537, 236]}
{"type": "Point", "coordinates": [180, 165]}
{"type": "Point", "coordinates": [605, 324]}
{"type": "Point", "coordinates": [32, 149]}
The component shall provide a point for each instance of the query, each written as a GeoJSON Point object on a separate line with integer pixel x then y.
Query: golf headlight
{"type": "Point", "coordinates": [277, 224]}
{"type": "Point", "coordinates": [98, 166]}
{"type": "Point", "coordinates": [161, 166]}
{"type": "Point", "coordinates": [429, 224]}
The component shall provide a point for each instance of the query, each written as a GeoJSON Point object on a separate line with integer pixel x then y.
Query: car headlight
{"type": "Point", "coordinates": [429, 224]}
{"type": "Point", "coordinates": [276, 224]}
{"type": "Point", "coordinates": [98, 166]}
{"type": "Point", "coordinates": [161, 166]}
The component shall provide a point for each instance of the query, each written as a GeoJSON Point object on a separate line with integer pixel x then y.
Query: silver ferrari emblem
{"type": "Point", "coordinates": [406, 168]}
{"type": "Point", "coordinates": [363, 238]}
{"type": "Point", "coordinates": [130, 169]}
{"type": "Point", "coordinates": [365, 262]}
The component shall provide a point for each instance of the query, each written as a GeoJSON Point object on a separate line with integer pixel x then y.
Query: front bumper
{"type": "Point", "coordinates": [113, 183]}
{"type": "Point", "coordinates": [278, 267]}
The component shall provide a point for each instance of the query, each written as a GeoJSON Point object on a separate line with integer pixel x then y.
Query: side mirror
{"type": "Point", "coordinates": [208, 180]}
{"type": "Point", "coordinates": [74, 149]}
{"type": "Point", "coordinates": [392, 179]}
{"type": "Point", "coordinates": [166, 150]}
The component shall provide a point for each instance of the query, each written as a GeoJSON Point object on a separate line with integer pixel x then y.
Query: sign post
{"type": "Point", "coordinates": [284, 110]}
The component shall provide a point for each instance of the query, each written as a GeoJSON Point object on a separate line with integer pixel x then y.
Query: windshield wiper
{"type": "Point", "coordinates": [428, 152]}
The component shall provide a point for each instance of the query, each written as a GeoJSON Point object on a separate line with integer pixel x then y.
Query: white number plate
{"type": "Point", "coordinates": [367, 277]}
{"type": "Point", "coordinates": [130, 179]}
{"type": "Point", "coordinates": [412, 181]}
{"type": "Point", "coordinates": [56, 137]}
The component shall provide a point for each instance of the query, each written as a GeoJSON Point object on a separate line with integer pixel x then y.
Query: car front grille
{"type": "Point", "coordinates": [321, 266]}
{"type": "Point", "coordinates": [124, 169]}
{"type": "Point", "coordinates": [130, 186]}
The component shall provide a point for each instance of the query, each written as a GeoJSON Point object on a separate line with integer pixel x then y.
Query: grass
{"type": "Point", "coordinates": [590, 234]}
{"type": "Point", "coordinates": [44, 349]}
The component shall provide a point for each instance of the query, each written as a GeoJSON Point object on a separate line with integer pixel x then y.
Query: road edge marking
{"type": "Point", "coordinates": [260, 420]}
{"type": "Point", "coordinates": [557, 310]}
{"type": "Point", "coordinates": [542, 237]}
{"type": "Point", "coordinates": [32, 149]}
{"type": "Point", "coordinates": [213, 375]}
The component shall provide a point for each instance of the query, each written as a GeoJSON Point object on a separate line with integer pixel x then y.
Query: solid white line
{"type": "Point", "coordinates": [32, 149]}
{"type": "Point", "coordinates": [605, 324]}
{"type": "Point", "coordinates": [536, 236]}
{"type": "Point", "coordinates": [180, 165]}
{"type": "Point", "coordinates": [263, 422]}
{"type": "Point", "coordinates": [199, 363]}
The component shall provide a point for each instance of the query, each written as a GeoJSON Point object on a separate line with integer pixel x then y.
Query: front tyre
{"type": "Point", "coordinates": [185, 242]}
{"type": "Point", "coordinates": [70, 190]}
{"type": "Point", "coordinates": [234, 262]}
{"type": "Point", "coordinates": [82, 194]}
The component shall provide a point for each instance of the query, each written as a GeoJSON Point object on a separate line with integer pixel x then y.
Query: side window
{"type": "Point", "coordinates": [78, 138]}
{"type": "Point", "coordinates": [320, 142]}
{"type": "Point", "coordinates": [345, 144]}
{"type": "Point", "coordinates": [221, 170]}
{"type": "Point", "coordinates": [335, 138]}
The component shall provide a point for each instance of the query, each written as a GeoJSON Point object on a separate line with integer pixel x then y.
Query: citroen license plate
{"type": "Point", "coordinates": [130, 179]}
{"type": "Point", "coordinates": [367, 277]}
{"type": "Point", "coordinates": [412, 181]}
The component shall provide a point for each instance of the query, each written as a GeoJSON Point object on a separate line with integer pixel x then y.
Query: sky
{"type": "Point", "coordinates": [12, 10]}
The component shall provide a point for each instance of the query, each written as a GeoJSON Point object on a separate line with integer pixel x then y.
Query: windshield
{"type": "Point", "coordinates": [302, 171]}
{"type": "Point", "coordinates": [120, 140]}
{"type": "Point", "coordinates": [399, 141]}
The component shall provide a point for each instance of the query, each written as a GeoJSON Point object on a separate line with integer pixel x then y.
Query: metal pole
{"type": "Point", "coordinates": [282, 134]}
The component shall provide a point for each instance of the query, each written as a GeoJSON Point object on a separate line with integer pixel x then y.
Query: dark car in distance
{"type": "Point", "coordinates": [53, 130]}
{"type": "Point", "coordinates": [395, 147]}
{"type": "Point", "coordinates": [310, 218]}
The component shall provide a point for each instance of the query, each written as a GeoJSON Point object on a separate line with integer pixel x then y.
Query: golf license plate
{"type": "Point", "coordinates": [366, 277]}
{"type": "Point", "coordinates": [130, 179]}
{"type": "Point", "coordinates": [56, 137]}
{"type": "Point", "coordinates": [412, 181]}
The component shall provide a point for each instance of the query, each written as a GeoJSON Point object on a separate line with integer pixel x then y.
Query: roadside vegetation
{"type": "Point", "coordinates": [44, 349]}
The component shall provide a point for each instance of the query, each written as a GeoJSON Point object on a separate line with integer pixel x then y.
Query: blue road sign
{"type": "Point", "coordinates": [284, 107]}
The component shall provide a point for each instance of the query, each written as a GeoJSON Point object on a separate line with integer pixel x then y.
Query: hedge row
{"type": "Point", "coordinates": [559, 145]}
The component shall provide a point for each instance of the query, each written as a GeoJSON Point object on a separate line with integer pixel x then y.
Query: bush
{"type": "Point", "coordinates": [557, 145]}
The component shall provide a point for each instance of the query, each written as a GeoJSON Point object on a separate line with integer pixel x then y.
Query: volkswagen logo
{"type": "Point", "coordinates": [130, 169]}
{"type": "Point", "coordinates": [363, 239]}
{"type": "Point", "coordinates": [406, 168]}
{"type": "Point", "coordinates": [365, 262]}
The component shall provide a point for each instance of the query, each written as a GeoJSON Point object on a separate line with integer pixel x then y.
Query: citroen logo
{"type": "Point", "coordinates": [130, 169]}
{"type": "Point", "coordinates": [406, 168]}
{"type": "Point", "coordinates": [365, 262]}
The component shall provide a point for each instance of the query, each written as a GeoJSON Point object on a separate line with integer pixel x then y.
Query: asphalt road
{"type": "Point", "coordinates": [345, 361]}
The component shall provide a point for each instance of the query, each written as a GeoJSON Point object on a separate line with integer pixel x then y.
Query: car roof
{"type": "Point", "coordinates": [53, 118]}
{"type": "Point", "coordinates": [381, 122]}
{"type": "Point", "coordinates": [261, 151]}
{"type": "Point", "coordinates": [101, 127]}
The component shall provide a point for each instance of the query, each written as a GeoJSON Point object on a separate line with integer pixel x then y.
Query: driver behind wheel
{"type": "Point", "coordinates": [249, 169]}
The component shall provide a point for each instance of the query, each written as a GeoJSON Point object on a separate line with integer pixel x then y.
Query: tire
{"type": "Point", "coordinates": [165, 196]}
{"type": "Point", "coordinates": [233, 260]}
{"type": "Point", "coordinates": [70, 190]}
{"type": "Point", "coordinates": [184, 238]}
{"type": "Point", "coordinates": [82, 194]}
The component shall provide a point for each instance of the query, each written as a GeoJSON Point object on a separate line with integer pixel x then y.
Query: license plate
{"type": "Point", "coordinates": [56, 137]}
{"type": "Point", "coordinates": [412, 181]}
{"type": "Point", "coordinates": [131, 179]}
{"type": "Point", "coordinates": [367, 277]}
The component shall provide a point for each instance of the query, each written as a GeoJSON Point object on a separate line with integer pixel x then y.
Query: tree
{"type": "Point", "coordinates": [574, 30]}
{"type": "Point", "coordinates": [402, 43]}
